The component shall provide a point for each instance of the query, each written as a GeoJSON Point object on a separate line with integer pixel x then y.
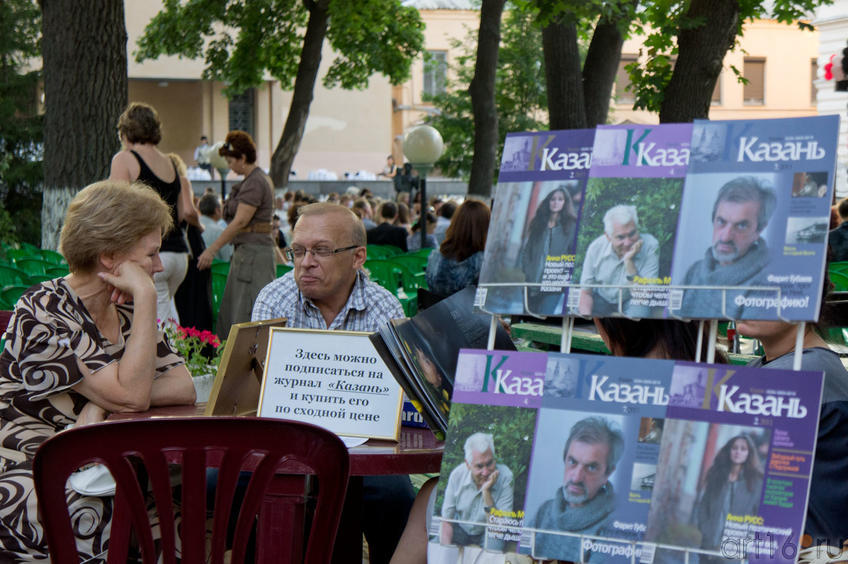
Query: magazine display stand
{"type": "Point", "coordinates": [651, 226]}
{"type": "Point", "coordinates": [707, 221]}
{"type": "Point", "coordinates": [672, 421]}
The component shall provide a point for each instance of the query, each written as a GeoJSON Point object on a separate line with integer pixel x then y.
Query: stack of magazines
{"type": "Point", "coordinates": [422, 352]}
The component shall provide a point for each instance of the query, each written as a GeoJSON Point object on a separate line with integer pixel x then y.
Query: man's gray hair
{"type": "Point", "coordinates": [621, 214]}
{"type": "Point", "coordinates": [596, 430]}
{"type": "Point", "coordinates": [749, 189]}
{"type": "Point", "coordinates": [478, 442]}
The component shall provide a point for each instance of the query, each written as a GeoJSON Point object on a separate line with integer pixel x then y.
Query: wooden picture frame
{"type": "Point", "coordinates": [238, 382]}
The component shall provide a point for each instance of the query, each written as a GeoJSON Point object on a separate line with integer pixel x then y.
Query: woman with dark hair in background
{"type": "Point", "coordinates": [456, 264]}
{"type": "Point", "coordinates": [551, 233]}
{"type": "Point", "coordinates": [652, 338]}
{"type": "Point", "coordinates": [140, 132]}
{"type": "Point", "coordinates": [732, 485]}
{"type": "Point", "coordinates": [248, 212]}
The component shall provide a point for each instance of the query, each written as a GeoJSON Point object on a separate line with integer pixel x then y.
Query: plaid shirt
{"type": "Point", "coordinates": [368, 307]}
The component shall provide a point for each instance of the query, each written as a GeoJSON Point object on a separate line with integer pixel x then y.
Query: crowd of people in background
{"type": "Point", "coordinates": [397, 221]}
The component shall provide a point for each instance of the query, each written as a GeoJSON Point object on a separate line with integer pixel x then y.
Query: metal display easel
{"type": "Point", "coordinates": [712, 324]}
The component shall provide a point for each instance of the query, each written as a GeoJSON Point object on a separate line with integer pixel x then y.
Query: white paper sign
{"type": "Point", "coordinates": [334, 379]}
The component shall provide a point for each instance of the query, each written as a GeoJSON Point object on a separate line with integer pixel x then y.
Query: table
{"type": "Point", "coordinates": [416, 452]}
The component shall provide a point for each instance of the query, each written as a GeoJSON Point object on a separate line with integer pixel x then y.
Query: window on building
{"type": "Point", "coordinates": [814, 72]}
{"type": "Point", "coordinates": [622, 81]}
{"type": "Point", "coordinates": [242, 111]}
{"type": "Point", "coordinates": [754, 71]}
{"type": "Point", "coordinates": [435, 71]}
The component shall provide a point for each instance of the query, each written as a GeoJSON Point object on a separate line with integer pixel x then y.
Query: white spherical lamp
{"type": "Point", "coordinates": [215, 159]}
{"type": "Point", "coordinates": [423, 145]}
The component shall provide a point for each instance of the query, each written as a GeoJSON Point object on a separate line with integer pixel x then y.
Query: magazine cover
{"type": "Point", "coordinates": [627, 231]}
{"type": "Point", "coordinates": [481, 492]}
{"type": "Point", "coordinates": [735, 461]}
{"type": "Point", "coordinates": [531, 242]}
{"type": "Point", "coordinates": [387, 345]}
{"type": "Point", "coordinates": [421, 352]}
{"type": "Point", "coordinates": [621, 459]}
{"type": "Point", "coordinates": [755, 214]}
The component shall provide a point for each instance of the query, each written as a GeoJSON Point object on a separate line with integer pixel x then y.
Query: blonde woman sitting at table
{"type": "Point", "coordinates": [80, 347]}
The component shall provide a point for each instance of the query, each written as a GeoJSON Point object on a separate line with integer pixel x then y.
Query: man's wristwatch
{"type": "Point", "coordinates": [630, 277]}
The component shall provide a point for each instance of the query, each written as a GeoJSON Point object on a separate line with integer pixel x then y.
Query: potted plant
{"type": "Point", "coordinates": [202, 352]}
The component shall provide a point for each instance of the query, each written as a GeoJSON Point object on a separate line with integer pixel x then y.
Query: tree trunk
{"type": "Point", "coordinates": [601, 65]}
{"type": "Point", "coordinates": [304, 84]}
{"type": "Point", "coordinates": [566, 108]}
{"type": "Point", "coordinates": [701, 51]}
{"type": "Point", "coordinates": [84, 47]}
{"type": "Point", "coordinates": [482, 90]}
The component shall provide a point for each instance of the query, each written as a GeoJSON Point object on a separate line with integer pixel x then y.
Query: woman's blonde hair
{"type": "Point", "coordinates": [110, 217]}
{"type": "Point", "coordinates": [179, 164]}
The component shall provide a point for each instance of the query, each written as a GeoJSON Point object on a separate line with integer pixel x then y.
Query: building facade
{"type": "Point", "coordinates": [348, 131]}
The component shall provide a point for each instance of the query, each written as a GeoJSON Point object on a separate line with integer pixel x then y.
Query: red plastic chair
{"type": "Point", "coordinates": [267, 447]}
{"type": "Point", "coordinates": [5, 316]}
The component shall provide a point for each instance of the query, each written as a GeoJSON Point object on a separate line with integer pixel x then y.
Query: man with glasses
{"type": "Point", "coordinates": [328, 290]}
{"type": "Point", "coordinates": [474, 490]}
{"type": "Point", "coordinates": [619, 258]}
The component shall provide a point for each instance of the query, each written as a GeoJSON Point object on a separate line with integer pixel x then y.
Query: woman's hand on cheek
{"type": "Point", "coordinates": [128, 280]}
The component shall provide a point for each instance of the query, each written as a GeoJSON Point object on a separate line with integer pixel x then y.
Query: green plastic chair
{"type": "Point", "coordinates": [220, 266]}
{"type": "Point", "coordinates": [33, 250]}
{"type": "Point", "coordinates": [16, 254]}
{"type": "Point", "coordinates": [412, 262]}
{"type": "Point", "coordinates": [219, 283]}
{"type": "Point", "coordinates": [283, 268]}
{"type": "Point", "coordinates": [425, 252]}
{"type": "Point", "coordinates": [382, 251]}
{"type": "Point", "coordinates": [840, 281]}
{"type": "Point", "coordinates": [9, 275]}
{"type": "Point", "coordinates": [32, 265]}
{"type": "Point", "coordinates": [57, 271]}
{"type": "Point", "coordinates": [11, 294]}
{"type": "Point", "coordinates": [384, 273]}
{"type": "Point", "coordinates": [398, 280]}
{"type": "Point", "coordinates": [52, 257]}
{"type": "Point", "coordinates": [838, 266]}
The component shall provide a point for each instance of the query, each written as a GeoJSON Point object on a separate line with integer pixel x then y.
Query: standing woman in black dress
{"type": "Point", "coordinates": [140, 160]}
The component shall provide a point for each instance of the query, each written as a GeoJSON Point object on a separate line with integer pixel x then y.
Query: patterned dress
{"type": "Point", "coordinates": [51, 336]}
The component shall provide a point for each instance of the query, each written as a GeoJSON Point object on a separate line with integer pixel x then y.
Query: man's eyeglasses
{"type": "Point", "coordinates": [296, 252]}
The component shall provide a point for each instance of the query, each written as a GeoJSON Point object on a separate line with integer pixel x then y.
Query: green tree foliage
{"type": "Point", "coordinates": [519, 92]}
{"type": "Point", "coordinates": [21, 128]}
{"type": "Point", "coordinates": [242, 41]}
{"type": "Point", "coordinates": [668, 19]}
{"type": "Point", "coordinates": [512, 429]}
